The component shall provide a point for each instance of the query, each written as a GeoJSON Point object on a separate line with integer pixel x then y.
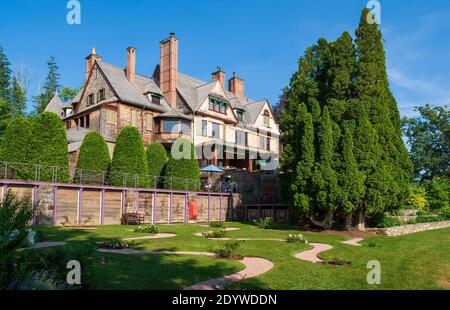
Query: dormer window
{"type": "Point", "coordinates": [218, 105]}
{"type": "Point", "coordinates": [239, 115]}
{"type": "Point", "coordinates": [154, 98]}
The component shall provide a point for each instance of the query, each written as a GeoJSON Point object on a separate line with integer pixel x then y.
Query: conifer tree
{"type": "Point", "coordinates": [5, 103]}
{"type": "Point", "coordinates": [324, 180]}
{"type": "Point", "coordinates": [51, 86]}
{"type": "Point", "coordinates": [18, 99]}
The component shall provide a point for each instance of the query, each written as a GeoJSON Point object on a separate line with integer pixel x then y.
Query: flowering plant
{"type": "Point", "coordinates": [296, 238]}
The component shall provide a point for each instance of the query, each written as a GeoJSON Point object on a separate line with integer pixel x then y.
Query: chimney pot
{"type": "Point", "coordinates": [90, 61]}
{"type": "Point", "coordinates": [219, 75]}
{"type": "Point", "coordinates": [236, 86]}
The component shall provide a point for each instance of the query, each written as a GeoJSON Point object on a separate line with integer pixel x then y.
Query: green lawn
{"type": "Point", "coordinates": [415, 261]}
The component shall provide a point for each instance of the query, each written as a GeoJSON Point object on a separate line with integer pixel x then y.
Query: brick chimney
{"type": "Point", "coordinates": [90, 61]}
{"type": "Point", "coordinates": [168, 74]}
{"type": "Point", "coordinates": [236, 86]}
{"type": "Point", "coordinates": [219, 75]}
{"type": "Point", "coordinates": [131, 64]}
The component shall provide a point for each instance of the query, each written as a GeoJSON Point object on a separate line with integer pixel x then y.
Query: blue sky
{"type": "Point", "coordinates": [259, 39]}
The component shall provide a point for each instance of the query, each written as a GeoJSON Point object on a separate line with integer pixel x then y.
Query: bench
{"type": "Point", "coordinates": [132, 218]}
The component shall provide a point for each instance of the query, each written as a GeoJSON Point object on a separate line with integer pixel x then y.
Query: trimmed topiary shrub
{"type": "Point", "coordinates": [16, 148]}
{"type": "Point", "coordinates": [182, 167]}
{"type": "Point", "coordinates": [93, 159]}
{"type": "Point", "coordinates": [49, 147]}
{"type": "Point", "coordinates": [129, 163]}
{"type": "Point", "coordinates": [156, 159]}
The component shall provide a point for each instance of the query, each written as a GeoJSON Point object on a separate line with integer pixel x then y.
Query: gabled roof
{"type": "Point", "coordinates": [55, 105]}
{"type": "Point", "coordinates": [132, 93]}
{"type": "Point", "coordinates": [254, 109]}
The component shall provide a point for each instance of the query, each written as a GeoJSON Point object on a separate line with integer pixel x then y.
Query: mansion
{"type": "Point", "coordinates": [166, 105]}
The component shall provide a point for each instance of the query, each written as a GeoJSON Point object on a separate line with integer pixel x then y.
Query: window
{"type": "Point", "coordinates": [217, 105]}
{"type": "Point", "coordinates": [266, 118]}
{"type": "Point", "coordinates": [223, 107]}
{"type": "Point", "coordinates": [239, 115]}
{"type": "Point", "coordinates": [204, 132]}
{"type": "Point", "coordinates": [111, 117]}
{"type": "Point", "coordinates": [90, 99]}
{"type": "Point", "coordinates": [263, 141]}
{"type": "Point", "coordinates": [241, 137]}
{"type": "Point", "coordinates": [134, 118]}
{"type": "Point", "coordinates": [156, 99]}
{"type": "Point", "coordinates": [170, 126]}
{"type": "Point", "coordinates": [215, 131]}
{"type": "Point", "coordinates": [149, 121]}
{"type": "Point", "coordinates": [185, 127]}
{"type": "Point", "coordinates": [101, 95]}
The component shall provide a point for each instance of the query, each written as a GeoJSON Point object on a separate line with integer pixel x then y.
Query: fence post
{"type": "Point", "coordinates": [36, 172]}
{"type": "Point", "coordinates": [35, 189]}
{"type": "Point", "coordinates": [122, 198]}
{"type": "Point", "coordinates": [274, 214]}
{"type": "Point", "coordinates": [5, 192]}
{"type": "Point", "coordinates": [209, 206]}
{"type": "Point", "coordinates": [220, 208]}
{"type": "Point", "coordinates": [6, 170]}
{"type": "Point", "coordinates": [186, 209]}
{"type": "Point", "coordinates": [170, 207]}
{"type": "Point", "coordinates": [102, 207]}
{"type": "Point", "coordinates": [55, 204]}
{"type": "Point", "coordinates": [154, 209]}
{"type": "Point", "coordinates": [80, 205]}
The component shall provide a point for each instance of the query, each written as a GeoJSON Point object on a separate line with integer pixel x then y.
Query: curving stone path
{"type": "Point", "coordinates": [354, 241]}
{"type": "Point", "coordinates": [244, 239]}
{"type": "Point", "coordinates": [311, 255]}
{"type": "Point", "coordinates": [254, 266]}
{"type": "Point", "coordinates": [46, 244]}
{"type": "Point", "coordinates": [156, 236]}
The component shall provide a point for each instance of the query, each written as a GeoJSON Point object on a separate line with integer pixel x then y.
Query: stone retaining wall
{"type": "Point", "coordinates": [409, 229]}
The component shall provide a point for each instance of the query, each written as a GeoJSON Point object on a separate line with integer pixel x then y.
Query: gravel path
{"type": "Point", "coordinates": [254, 266]}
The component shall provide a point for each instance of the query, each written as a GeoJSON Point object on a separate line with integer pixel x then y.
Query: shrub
{"type": "Point", "coordinates": [93, 159]}
{"type": "Point", "coordinates": [156, 159]}
{"type": "Point", "coordinates": [417, 198]}
{"type": "Point", "coordinates": [183, 169]}
{"type": "Point", "coordinates": [296, 238]}
{"type": "Point", "coordinates": [387, 221]}
{"type": "Point", "coordinates": [423, 213]}
{"type": "Point", "coordinates": [264, 223]}
{"type": "Point", "coordinates": [372, 244]}
{"type": "Point", "coordinates": [114, 244]}
{"type": "Point", "coordinates": [36, 267]}
{"type": "Point", "coordinates": [215, 234]}
{"type": "Point", "coordinates": [129, 158]}
{"type": "Point", "coordinates": [49, 147]}
{"type": "Point", "coordinates": [228, 249]}
{"type": "Point", "coordinates": [216, 224]}
{"type": "Point", "coordinates": [16, 148]}
{"type": "Point", "coordinates": [438, 192]}
{"type": "Point", "coordinates": [149, 229]}
{"type": "Point", "coordinates": [431, 218]}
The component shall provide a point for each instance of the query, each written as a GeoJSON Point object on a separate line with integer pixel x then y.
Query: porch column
{"type": "Point", "coordinates": [250, 165]}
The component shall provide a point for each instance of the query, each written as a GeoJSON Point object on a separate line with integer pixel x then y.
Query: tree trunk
{"type": "Point", "coordinates": [360, 219]}
{"type": "Point", "coordinates": [327, 221]}
{"type": "Point", "coordinates": [348, 221]}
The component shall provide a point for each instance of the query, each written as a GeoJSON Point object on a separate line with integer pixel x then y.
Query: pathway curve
{"type": "Point", "coordinates": [156, 236]}
{"type": "Point", "coordinates": [244, 239]}
{"type": "Point", "coordinates": [254, 266]}
{"type": "Point", "coordinates": [311, 255]}
{"type": "Point", "coordinates": [354, 241]}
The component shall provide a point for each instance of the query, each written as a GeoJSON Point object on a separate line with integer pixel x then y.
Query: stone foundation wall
{"type": "Point", "coordinates": [409, 229]}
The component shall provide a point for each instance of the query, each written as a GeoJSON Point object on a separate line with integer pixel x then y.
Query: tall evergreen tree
{"type": "Point", "coordinates": [324, 180]}
{"type": "Point", "coordinates": [351, 180]}
{"type": "Point", "coordinates": [5, 103]}
{"type": "Point", "coordinates": [51, 86]}
{"type": "Point", "coordinates": [18, 98]}
{"type": "Point", "coordinates": [373, 90]}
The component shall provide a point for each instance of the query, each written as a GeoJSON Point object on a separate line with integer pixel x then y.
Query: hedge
{"type": "Point", "coordinates": [156, 159]}
{"type": "Point", "coordinates": [93, 159]}
{"type": "Point", "coordinates": [129, 158]}
{"type": "Point", "coordinates": [49, 147]}
{"type": "Point", "coordinates": [185, 172]}
{"type": "Point", "coordinates": [16, 148]}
